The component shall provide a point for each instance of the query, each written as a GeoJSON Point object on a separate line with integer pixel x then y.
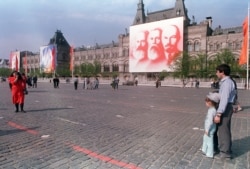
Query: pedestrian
{"type": "Point", "coordinates": [84, 84]}
{"type": "Point", "coordinates": [223, 137]}
{"type": "Point", "coordinates": [24, 92]}
{"type": "Point", "coordinates": [35, 81]}
{"type": "Point", "coordinates": [157, 83]}
{"type": "Point", "coordinates": [116, 83]}
{"type": "Point", "coordinates": [136, 81]}
{"type": "Point", "coordinates": [29, 81]}
{"type": "Point", "coordinates": [76, 82]}
{"type": "Point", "coordinates": [56, 82]}
{"type": "Point", "coordinates": [96, 83]}
{"type": "Point", "coordinates": [15, 83]}
{"type": "Point", "coordinates": [212, 101]}
{"type": "Point", "coordinates": [197, 83]}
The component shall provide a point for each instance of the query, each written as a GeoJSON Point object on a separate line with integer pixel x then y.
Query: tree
{"type": "Point", "coordinates": [198, 66]}
{"type": "Point", "coordinates": [182, 66]}
{"type": "Point", "coordinates": [227, 57]}
{"type": "Point", "coordinates": [5, 72]}
{"type": "Point", "coordinates": [163, 74]}
{"type": "Point", "coordinates": [97, 67]}
{"type": "Point", "coordinates": [63, 71]}
{"type": "Point", "coordinates": [88, 69]}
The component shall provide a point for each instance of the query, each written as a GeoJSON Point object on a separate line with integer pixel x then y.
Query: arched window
{"type": "Point", "coordinates": [190, 47]}
{"type": "Point", "coordinates": [196, 46]}
{"type": "Point", "coordinates": [126, 67]}
{"type": "Point", "coordinates": [106, 67]}
{"type": "Point", "coordinates": [115, 67]}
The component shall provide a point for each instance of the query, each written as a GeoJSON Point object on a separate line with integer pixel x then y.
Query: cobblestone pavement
{"type": "Point", "coordinates": [139, 127]}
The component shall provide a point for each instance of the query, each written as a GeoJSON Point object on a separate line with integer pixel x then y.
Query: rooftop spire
{"type": "Point", "coordinates": [140, 14]}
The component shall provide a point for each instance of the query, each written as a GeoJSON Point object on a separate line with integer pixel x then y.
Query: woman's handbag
{"type": "Point", "coordinates": [25, 91]}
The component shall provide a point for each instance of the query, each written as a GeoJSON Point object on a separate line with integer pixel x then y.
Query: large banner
{"type": "Point", "coordinates": [48, 57]}
{"type": "Point", "coordinates": [15, 60]}
{"type": "Point", "coordinates": [155, 46]}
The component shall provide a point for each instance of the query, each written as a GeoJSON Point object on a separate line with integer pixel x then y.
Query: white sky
{"type": "Point", "coordinates": [29, 24]}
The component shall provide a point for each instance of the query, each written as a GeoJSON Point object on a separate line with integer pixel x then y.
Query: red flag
{"type": "Point", "coordinates": [16, 63]}
{"type": "Point", "coordinates": [243, 55]}
{"type": "Point", "coordinates": [53, 63]}
{"type": "Point", "coordinates": [71, 52]}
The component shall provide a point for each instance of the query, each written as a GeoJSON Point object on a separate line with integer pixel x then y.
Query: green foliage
{"type": "Point", "coordinates": [200, 67]}
{"type": "Point", "coordinates": [89, 69]}
{"type": "Point", "coordinates": [5, 72]}
{"type": "Point", "coordinates": [182, 65]}
{"type": "Point", "coordinates": [163, 74]}
{"type": "Point", "coordinates": [63, 71]}
{"type": "Point", "coordinates": [227, 57]}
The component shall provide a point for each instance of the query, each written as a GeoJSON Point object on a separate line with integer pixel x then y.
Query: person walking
{"type": "Point", "coordinates": [212, 101]}
{"type": "Point", "coordinates": [35, 81]}
{"type": "Point", "coordinates": [136, 81]}
{"type": "Point", "coordinates": [96, 83]}
{"type": "Point", "coordinates": [223, 137]}
{"type": "Point", "coordinates": [116, 83]}
{"type": "Point", "coordinates": [76, 82]}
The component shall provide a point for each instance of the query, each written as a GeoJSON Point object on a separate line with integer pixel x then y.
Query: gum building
{"type": "Point", "coordinates": [199, 38]}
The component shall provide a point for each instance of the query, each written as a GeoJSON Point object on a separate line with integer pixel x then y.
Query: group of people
{"type": "Point", "coordinates": [17, 83]}
{"type": "Point", "coordinates": [217, 139]}
{"type": "Point", "coordinates": [156, 49]}
{"type": "Point", "coordinates": [32, 81]}
{"type": "Point", "coordinates": [91, 84]}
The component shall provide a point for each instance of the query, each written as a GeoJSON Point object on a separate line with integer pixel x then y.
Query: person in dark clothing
{"type": "Point", "coordinates": [35, 81]}
{"type": "Point", "coordinates": [76, 82]}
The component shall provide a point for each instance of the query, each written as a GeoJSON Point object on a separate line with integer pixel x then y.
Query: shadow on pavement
{"type": "Point", "coordinates": [47, 109]}
{"type": "Point", "coordinates": [37, 91]}
{"type": "Point", "coordinates": [14, 131]}
{"type": "Point", "coordinates": [241, 146]}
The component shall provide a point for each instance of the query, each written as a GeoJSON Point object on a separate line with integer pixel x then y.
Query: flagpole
{"type": "Point", "coordinates": [247, 87]}
{"type": "Point", "coordinates": [26, 65]}
{"type": "Point", "coordinates": [72, 62]}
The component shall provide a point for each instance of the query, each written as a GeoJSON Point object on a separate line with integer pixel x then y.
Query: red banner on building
{"type": "Point", "coordinates": [71, 53]}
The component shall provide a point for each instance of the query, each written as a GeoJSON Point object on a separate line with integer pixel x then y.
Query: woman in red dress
{"type": "Point", "coordinates": [15, 81]}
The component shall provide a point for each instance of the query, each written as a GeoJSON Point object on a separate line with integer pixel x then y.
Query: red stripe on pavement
{"type": "Point", "coordinates": [12, 124]}
{"type": "Point", "coordinates": [104, 158]}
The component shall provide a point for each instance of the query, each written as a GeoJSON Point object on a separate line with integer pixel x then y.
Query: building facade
{"type": "Point", "coordinates": [199, 38]}
{"type": "Point", "coordinates": [30, 62]}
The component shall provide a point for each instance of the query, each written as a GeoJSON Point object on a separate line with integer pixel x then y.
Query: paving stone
{"type": "Point", "coordinates": [136, 126]}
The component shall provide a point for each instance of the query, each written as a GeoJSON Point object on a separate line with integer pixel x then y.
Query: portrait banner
{"type": "Point", "coordinates": [48, 57]}
{"type": "Point", "coordinates": [155, 46]}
